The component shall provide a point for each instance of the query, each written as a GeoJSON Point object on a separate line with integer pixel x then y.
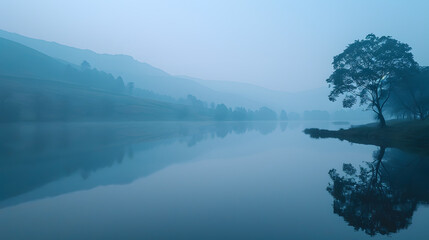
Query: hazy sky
{"type": "Point", "coordinates": [285, 45]}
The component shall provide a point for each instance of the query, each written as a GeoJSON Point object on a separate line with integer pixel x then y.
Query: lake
{"type": "Point", "coordinates": [204, 180]}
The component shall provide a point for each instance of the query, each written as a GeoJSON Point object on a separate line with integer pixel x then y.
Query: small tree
{"type": "Point", "coordinates": [366, 70]}
{"type": "Point", "coordinates": [239, 114]}
{"type": "Point", "coordinates": [265, 114]}
{"type": "Point", "coordinates": [221, 112]}
{"type": "Point", "coordinates": [85, 66]}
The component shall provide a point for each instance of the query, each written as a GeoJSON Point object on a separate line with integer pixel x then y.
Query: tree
{"type": "Point", "coordinates": [239, 114]}
{"type": "Point", "coordinates": [195, 102]}
{"type": "Point", "coordinates": [366, 70]}
{"type": "Point", "coordinates": [264, 114]}
{"type": "Point", "coordinates": [368, 201]}
{"type": "Point", "coordinates": [411, 95]}
{"type": "Point", "coordinates": [381, 196]}
{"type": "Point", "coordinates": [85, 65]}
{"type": "Point", "coordinates": [221, 112]}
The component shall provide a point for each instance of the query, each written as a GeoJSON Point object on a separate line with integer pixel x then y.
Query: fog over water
{"type": "Point", "coordinates": [181, 181]}
{"type": "Point", "coordinates": [190, 119]}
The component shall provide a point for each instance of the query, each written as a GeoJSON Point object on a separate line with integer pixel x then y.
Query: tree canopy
{"type": "Point", "coordinates": [366, 70]}
{"type": "Point", "coordinates": [411, 95]}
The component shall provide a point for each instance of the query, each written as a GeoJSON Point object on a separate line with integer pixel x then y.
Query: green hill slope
{"type": "Point", "coordinates": [21, 61]}
{"type": "Point", "coordinates": [36, 87]}
{"type": "Point", "coordinates": [31, 99]}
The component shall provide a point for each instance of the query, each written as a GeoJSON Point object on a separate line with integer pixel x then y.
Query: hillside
{"type": "Point", "coordinates": [37, 87]}
{"type": "Point", "coordinates": [30, 99]}
{"type": "Point", "coordinates": [21, 61]}
{"type": "Point", "coordinates": [296, 102]}
{"type": "Point", "coordinates": [143, 75]}
{"type": "Point", "coordinates": [150, 78]}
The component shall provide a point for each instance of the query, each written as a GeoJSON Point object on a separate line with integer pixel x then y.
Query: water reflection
{"type": "Point", "coordinates": [34, 155]}
{"type": "Point", "coordinates": [382, 196]}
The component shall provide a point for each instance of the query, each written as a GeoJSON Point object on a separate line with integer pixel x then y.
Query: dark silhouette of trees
{"type": "Point", "coordinates": [410, 96]}
{"type": "Point", "coordinates": [382, 196]}
{"type": "Point", "coordinates": [221, 112]}
{"type": "Point", "coordinates": [94, 78]}
{"type": "Point", "coordinates": [195, 103]}
{"type": "Point", "coordinates": [264, 114]}
{"type": "Point", "coordinates": [366, 70]}
{"type": "Point", "coordinates": [239, 114]}
{"type": "Point", "coordinates": [85, 66]}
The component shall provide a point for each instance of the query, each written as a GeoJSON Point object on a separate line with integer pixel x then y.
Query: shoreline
{"type": "Point", "coordinates": [407, 135]}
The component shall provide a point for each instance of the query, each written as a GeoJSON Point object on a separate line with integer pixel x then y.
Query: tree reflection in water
{"type": "Point", "coordinates": [381, 197]}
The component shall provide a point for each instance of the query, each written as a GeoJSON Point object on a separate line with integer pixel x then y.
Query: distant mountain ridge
{"type": "Point", "coordinates": [153, 79]}
{"type": "Point", "coordinates": [35, 87]}
{"type": "Point", "coordinates": [17, 60]}
{"type": "Point", "coordinates": [142, 74]}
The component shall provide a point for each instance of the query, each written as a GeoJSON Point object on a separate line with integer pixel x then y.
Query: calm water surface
{"type": "Point", "coordinates": [205, 181]}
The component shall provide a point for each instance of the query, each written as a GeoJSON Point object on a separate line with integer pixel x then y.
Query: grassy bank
{"type": "Point", "coordinates": [407, 135]}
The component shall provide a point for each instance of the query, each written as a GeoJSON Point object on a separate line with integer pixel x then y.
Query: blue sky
{"type": "Point", "coordinates": [284, 45]}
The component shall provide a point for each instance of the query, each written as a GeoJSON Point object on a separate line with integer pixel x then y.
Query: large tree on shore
{"type": "Point", "coordinates": [366, 70]}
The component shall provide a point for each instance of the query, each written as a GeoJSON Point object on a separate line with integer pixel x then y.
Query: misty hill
{"type": "Point", "coordinates": [150, 78]}
{"type": "Point", "coordinates": [37, 87]}
{"type": "Point", "coordinates": [143, 75]}
{"type": "Point", "coordinates": [31, 99]}
{"type": "Point", "coordinates": [296, 102]}
{"type": "Point", "coordinates": [21, 61]}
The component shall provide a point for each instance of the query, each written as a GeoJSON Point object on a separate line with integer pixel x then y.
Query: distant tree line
{"type": "Point", "coordinates": [220, 112]}
{"type": "Point", "coordinates": [36, 100]}
{"type": "Point", "coordinates": [94, 78]}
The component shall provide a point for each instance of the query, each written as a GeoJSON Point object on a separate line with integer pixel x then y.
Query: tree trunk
{"type": "Point", "coordinates": [382, 120]}
{"type": "Point", "coordinates": [380, 115]}
{"type": "Point", "coordinates": [378, 158]}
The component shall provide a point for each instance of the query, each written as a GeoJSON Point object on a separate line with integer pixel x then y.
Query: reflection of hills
{"type": "Point", "coordinates": [39, 156]}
